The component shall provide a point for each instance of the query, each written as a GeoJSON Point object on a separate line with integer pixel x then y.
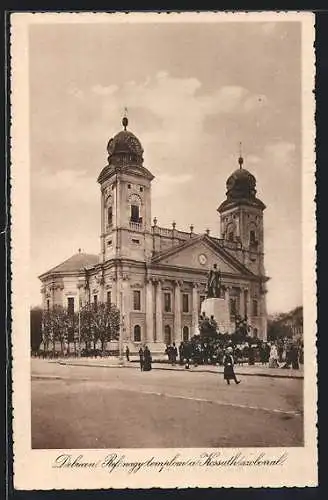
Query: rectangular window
{"type": "Point", "coordinates": [136, 300]}
{"type": "Point", "coordinates": [109, 298]}
{"type": "Point", "coordinates": [233, 307]}
{"type": "Point", "coordinates": [185, 302]}
{"type": "Point", "coordinates": [255, 308]}
{"type": "Point", "coordinates": [135, 241]}
{"type": "Point", "coordinates": [70, 305]}
{"type": "Point", "coordinates": [48, 304]}
{"type": "Point", "coordinates": [134, 213]}
{"type": "Point", "coordinates": [167, 302]}
{"type": "Point", "coordinates": [95, 301]}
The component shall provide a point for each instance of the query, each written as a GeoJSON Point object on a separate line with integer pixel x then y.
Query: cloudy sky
{"type": "Point", "coordinates": [192, 92]}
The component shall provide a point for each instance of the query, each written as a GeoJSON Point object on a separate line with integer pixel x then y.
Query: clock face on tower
{"type": "Point", "coordinates": [202, 259]}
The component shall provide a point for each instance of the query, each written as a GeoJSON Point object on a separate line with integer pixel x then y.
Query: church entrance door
{"type": "Point", "coordinates": [167, 335]}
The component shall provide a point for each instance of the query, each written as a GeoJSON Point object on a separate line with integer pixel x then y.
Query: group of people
{"type": "Point", "coordinates": [145, 359]}
{"type": "Point", "coordinates": [280, 354]}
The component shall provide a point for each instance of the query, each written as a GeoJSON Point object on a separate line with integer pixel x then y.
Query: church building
{"type": "Point", "coordinates": [157, 275]}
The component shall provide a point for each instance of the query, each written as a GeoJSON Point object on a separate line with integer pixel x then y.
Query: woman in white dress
{"type": "Point", "coordinates": [273, 360]}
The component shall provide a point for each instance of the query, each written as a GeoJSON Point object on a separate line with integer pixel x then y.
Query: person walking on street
{"type": "Point", "coordinates": [141, 358]}
{"type": "Point", "coordinates": [174, 354]}
{"type": "Point", "coordinates": [294, 357]}
{"type": "Point", "coordinates": [147, 360]}
{"type": "Point", "coordinates": [228, 363]}
{"type": "Point", "coordinates": [181, 351]}
{"type": "Point", "coordinates": [127, 353]}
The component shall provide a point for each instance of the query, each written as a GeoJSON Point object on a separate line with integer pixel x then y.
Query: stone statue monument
{"type": "Point", "coordinates": [214, 288]}
{"type": "Point", "coordinates": [215, 305]}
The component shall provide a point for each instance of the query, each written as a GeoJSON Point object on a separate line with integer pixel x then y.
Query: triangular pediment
{"type": "Point", "coordinates": [201, 253]}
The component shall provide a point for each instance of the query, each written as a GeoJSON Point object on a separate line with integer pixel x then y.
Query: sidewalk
{"type": "Point", "coordinates": [246, 370]}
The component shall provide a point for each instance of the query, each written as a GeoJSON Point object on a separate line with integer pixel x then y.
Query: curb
{"type": "Point", "coordinates": [292, 377]}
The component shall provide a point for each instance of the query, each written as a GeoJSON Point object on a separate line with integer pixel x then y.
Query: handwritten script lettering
{"type": "Point", "coordinates": [114, 461]}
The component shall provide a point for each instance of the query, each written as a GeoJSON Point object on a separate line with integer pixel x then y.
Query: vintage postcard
{"type": "Point", "coordinates": [163, 250]}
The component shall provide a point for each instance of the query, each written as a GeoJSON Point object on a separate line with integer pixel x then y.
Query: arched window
{"type": "Point", "coordinates": [135, 208]}
{"type": "Point", "coordinates": [109, 210]}
{"type": "Point", "coordinates": [252, 237]}
{"type": "Point", "coordinates": [109, 215]}
{"type": "Point", "coordinates": [167, 335]}
{"type": "Point", "coordinates": [137, 333]}
{"type": "Point", "coordinates": [185, 333]}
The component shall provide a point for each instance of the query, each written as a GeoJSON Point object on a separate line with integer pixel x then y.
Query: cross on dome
{"type": "Point", "coordinates": [125, 120]}
{"type": "Point", "coordinates": [240, 159]}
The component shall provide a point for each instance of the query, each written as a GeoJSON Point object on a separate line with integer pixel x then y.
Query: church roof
{"type": "Point", "coordinates": [213, 243]}
{"type": "Point", "coordinates": [75, 263]}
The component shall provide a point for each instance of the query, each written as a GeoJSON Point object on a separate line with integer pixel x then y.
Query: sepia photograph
{"type": "Point", "coordinates": [166, 193]}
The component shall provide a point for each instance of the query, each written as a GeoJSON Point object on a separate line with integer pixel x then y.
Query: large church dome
{"type": "Point", "coordinates": [241, 184]}
{"type": "Point", "coordinates": [125, 147]}
{"type": "Point", "coordinates": [241, 189]}
{"type": "Point", "coordinates": [125, 154]}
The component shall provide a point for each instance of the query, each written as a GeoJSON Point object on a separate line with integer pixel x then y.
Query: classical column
{"type": "Point", "coordinates": [177, 334]}
{"type": "Point", "coordinates": [149, 311]}
{"type": "Point", "coordinates": [114, 297]}
{"type": "Point", "coordinates": [246, 294]}
{"type": "Point", "coordinates": [242, 302]}
{"type": "Point", "coordinates": [195, 307]}
{"type": "Point", "coordinates": [248, 304]}
{"type": "Point", "coordinates": [125, 305]}
{"type": "Point", "coordinates": [102, 288]}
{"type": "Point", "coordinates": [159, 312]}
{"type": "Point", "coordinates": [263, 312]}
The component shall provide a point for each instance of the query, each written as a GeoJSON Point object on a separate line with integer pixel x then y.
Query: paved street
{"type": "Point", "coordinates": [101, 407]}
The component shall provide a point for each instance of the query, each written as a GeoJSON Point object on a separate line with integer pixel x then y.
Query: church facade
{"type": "Point", "coordinates": [157, 276]}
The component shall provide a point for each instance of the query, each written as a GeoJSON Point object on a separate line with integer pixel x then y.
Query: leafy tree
{"type": "Point", "coordinates": [47, 333]}
{"type": "Point", "coordinates": [100, 323]}
{"type": "Point", "coordinates": [35, 328]}
{"type": "Point", "coordinates": [105, 323]}
{"type": "Point", "coordinates": [61, 323]}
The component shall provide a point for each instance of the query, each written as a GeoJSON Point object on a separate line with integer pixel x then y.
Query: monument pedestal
{"type": "Point", "coordinates": [219, 308]}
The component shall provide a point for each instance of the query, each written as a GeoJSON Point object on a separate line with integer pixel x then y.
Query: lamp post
{"type": "Point", "coordinates": [79, 329]}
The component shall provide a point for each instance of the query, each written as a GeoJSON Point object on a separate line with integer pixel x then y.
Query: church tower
{"type": "Point", "coordinates": [125, 200]}
{"type": "Point", "coordinates": [241, 221]}
{"type": "Point", "coordinates": [241, 217]}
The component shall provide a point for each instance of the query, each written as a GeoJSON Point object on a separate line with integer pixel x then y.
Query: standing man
{"type": "Point", "coordinates": [127, 353]}
{"type": "Point", "coordinates": [141, 358]}
{"type": "Point", "coordinates": [181, 353]}
{"type": "Point", "coordinates": [228, 362]}
{"type": "Point", "coordinates": [174, 354]}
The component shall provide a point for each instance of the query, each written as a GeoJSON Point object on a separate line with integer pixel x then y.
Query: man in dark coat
{"type": "Point", "coordinates": [127, 353]}
{"type": "Point", "coordinates": [228, 362]}
{"type": "Point", "coordinates": [174, 354]}
{"type": "Point", "coordinates": [181, 353]}
{"type": "Point", "coordinates": [141, 358]}
{"type": "Point", "coordinates": [147, 360]}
